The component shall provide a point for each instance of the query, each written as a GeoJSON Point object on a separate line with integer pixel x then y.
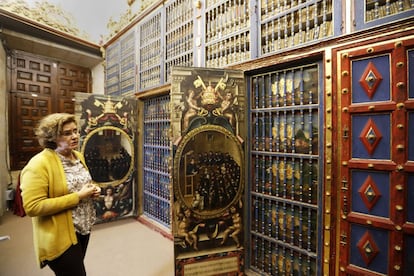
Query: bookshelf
{"type": "Point", "coordinates": [227, 32]}
{"type": "Point", "coordinates": [286, 162]}
{"type": "Point", "coordinates": [287, 24]}
{"type": "Point", "coordinates": [120, 60]}
{"type": "Point", "coordinates": [112, 80]}
{"type": "Point", "coordinates": [179, 37]}
{"type": "Point", "coordinates": [127, 63]}
{"type": "Point", "coordinates": [151, 49]}
{"type": "Point", "coordinates": [156, 149]}
{"type": "Point", "coordinates": [378, 12]}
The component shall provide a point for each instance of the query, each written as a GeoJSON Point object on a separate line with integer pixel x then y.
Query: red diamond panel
{"type": "Point", "coordinates": [368, 248]}
{"type": "Point", "coordinates": [370, 136]}
{"type": "Point", "coordinates": [370, 79]}
{"type": "Point", "coordinates": [369, 193]}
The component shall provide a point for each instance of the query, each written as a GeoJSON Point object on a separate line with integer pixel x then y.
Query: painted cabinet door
{"type": "Point", "coordinates": [376, 99]}
{"type": "Point", "coordinates": [108, 138]}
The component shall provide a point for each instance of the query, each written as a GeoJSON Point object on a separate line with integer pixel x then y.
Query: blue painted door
{"type": "Point", "coordinates": [376, 116]}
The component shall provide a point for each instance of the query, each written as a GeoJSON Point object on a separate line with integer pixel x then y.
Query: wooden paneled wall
{"type": "Point", "coordinates": [38, 86]}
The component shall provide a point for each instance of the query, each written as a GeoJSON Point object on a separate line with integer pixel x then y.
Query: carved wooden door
{"type": "Point", "coordinates": [376, 118]}
{"type": "Point", "coordinates": [39, 86]}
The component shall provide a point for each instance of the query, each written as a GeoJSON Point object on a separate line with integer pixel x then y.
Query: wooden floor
{"type": "Point", "coordinates": [124, 247]}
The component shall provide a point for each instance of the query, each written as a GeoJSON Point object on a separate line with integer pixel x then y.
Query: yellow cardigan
{"type": "Point", "coordinates": [47, 200]}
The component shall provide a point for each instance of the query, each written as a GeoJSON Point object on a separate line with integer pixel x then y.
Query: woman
{"type": "Point", "coordinates": [57, 193]}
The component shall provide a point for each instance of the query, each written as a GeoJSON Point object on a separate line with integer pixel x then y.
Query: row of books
{"type": "Point", "coordinates": [150, 77]}
{"type": "Point", "coordinates": [150, 55]}
{"type": "Point", "coordinates": [179, 41]}
{"type": "Point", "coordinates": [275, 259]}
{"type": "Point", "coordinates": [293, 131]}
{"type": "Point", "coordinates": [293, 225]}
{"type": "Point", "coordinates": [113, 79]}
{"type": "Point", "coordinates": [112, 54]}
{"type": "Point", "coordinates": [232, 50]}
{"type": "Point", "coordinates": [186, 60]}
{"type": "Point", "coordinates": [227, 18]}
{"type": "Point", "coordinates": [157, 134]}
{"type": "Point", "coordinates": [150, 30]}
{"type": "Point", "coordinates": [128, 44]}
{"type": "Point", "coordinates": [157, 158]}
{"type": "Point", "coordinates": [296, 12]}
{"type": "Point", "coordinates": [128, 86]}
{"type": "Point", "coordinates": [127, 66]}
{"type": "Point", "coordinates": [294, 178]}
{"type": "Point", "coordinates": [295, 21]}
{"type": "Point", "coordinates": [297, 86]}
{"type": "Point", "coordinates": [157, 208]}
{"type": "Point", "coordinates": [223, 61]}
{"type": "Point", "coordinates": [156, 109]}
{"type": "Point", "coordinates": [157, 184]}
{"type": "Point", "coordinates": [120, 74]}
{"type": "Point", "coordinates": [376, 9]}
{"type": "Point", "coordinates": [274, 39]}
{"type": "Point", "coordinates": [179, 12]}
{"type": "Point", "coordinates": [113, 89]}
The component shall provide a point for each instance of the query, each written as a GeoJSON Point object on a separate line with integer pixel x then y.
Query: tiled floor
{"type": "Point", "coordinates": [125, 247]}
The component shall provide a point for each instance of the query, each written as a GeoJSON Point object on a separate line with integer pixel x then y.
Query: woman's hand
{"type": "Point", "coordinates": [97, 191]}
{"type": "Point", "coordinates": [89, 190]}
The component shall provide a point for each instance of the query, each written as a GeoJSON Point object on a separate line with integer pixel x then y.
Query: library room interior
{"type": "Point", "coordinates": [207, 137]}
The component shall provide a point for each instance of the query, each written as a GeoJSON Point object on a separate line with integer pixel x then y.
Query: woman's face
{"type": "Point", "coordinates": [69, 138]}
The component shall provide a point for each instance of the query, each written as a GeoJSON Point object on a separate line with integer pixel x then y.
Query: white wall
{"type": "Point", "coordinates": [98, 79]}
{"type": "Point", "coordinates": [4, 160]}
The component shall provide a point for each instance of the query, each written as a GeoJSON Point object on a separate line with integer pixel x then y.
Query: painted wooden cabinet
{"type": "Point", "coordinates": [375, 110]}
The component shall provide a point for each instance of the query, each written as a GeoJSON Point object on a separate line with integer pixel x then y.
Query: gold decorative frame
{"type": "Point", "coordinates": [123, 134]}
{"type": "Point", "coordinates": [202, 140]}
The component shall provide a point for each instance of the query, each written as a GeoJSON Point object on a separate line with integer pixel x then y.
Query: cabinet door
{"type": "Point", "coordinates": [39, 86]}
{"type": "Point", "coordinates": [26, 111]}
{"type": "Point", "coordinates": [208, 168]}
{"type": "Point", "coordinates": [376, 174]}
{"type": "Point", "coordinates": [70, 79]}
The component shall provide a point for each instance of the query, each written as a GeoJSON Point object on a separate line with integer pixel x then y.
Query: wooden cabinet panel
{"type": "Point", "coordinates": [39, 86]}
{"type": "Point", "coordinates": [32, 74]}
{"type": "Point", "coordinates": [375, 234]}
{"type": "Point", "coordinates": [26, 110]}
{"type": "Point", "coordinates": [72, 79]}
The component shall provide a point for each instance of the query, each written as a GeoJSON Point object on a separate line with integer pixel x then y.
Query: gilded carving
{"type": "Point", "coordinates": [44, 13]}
